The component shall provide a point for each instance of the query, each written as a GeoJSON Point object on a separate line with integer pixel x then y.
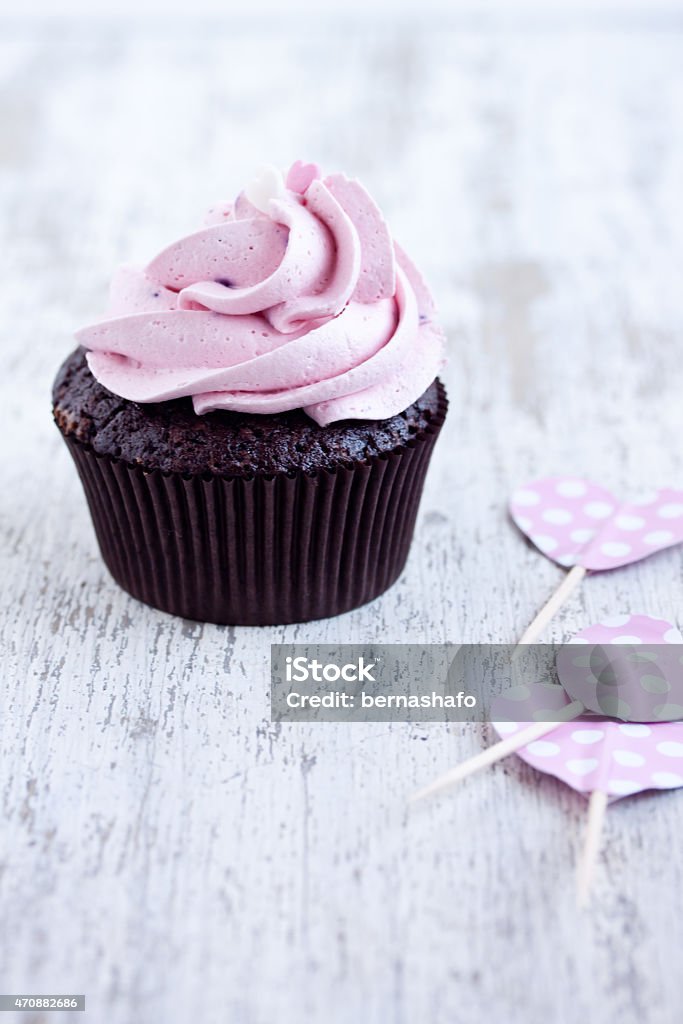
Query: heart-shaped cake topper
{"type": "Point", "coordinates": [605, 761]}
{"type": "Point", "coordinates": [267, 184]}
{"type": "Point", "coordinates": [596, 656]}
{"type": "Point", "coordinates": [627, 667]}
{"type": "Point", "coordinates": [300, 176]}
{"type": "Point", "coordinates": [582, 525]}
{"type": "Point", "coordinates": [598, 756]}
{"type": "Point", "coordinates": [647, 651]}
{"type": "Point", "coordinates": [620, 758]}
{"type": "Point", "coordinates": [576, 522]}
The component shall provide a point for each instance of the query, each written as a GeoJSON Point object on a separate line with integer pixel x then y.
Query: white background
{"type": "Point", "coordinates": [503, 10]}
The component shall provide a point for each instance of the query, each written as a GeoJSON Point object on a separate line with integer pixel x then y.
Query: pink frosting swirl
{"type": "Point", "coordinates": [295, 296]}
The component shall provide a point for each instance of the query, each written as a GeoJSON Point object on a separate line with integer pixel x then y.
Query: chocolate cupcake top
{"type": "Point", "coordinates": [295, 297]}
{"type": "Point", "coordinates": [170, 437]}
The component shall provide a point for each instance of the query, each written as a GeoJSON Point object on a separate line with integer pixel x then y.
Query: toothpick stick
{"type": "Point", "coordinates": [553, 605]}
{"type": "Point", "coordinates": [498, 751]}
{"type": "Point", "coordinates": [591, 845]}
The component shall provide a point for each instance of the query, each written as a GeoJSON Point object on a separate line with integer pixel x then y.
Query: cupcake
{"type": "Point", "coordinates": [253, 420]}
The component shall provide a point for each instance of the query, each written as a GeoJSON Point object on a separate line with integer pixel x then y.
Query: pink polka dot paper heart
{"type": "Point", "coordinates": [576, 522]}
{"type": "Point", "coordinates": [627, 667]}
{"type": "Point", "coordinates": [600, 758]}
{"type": "Point", "coordinates": [619, 758]}
{"type": "Point", "coordinates": [597, 756]}
{"type": "Point", "coordinates": [605, 761]}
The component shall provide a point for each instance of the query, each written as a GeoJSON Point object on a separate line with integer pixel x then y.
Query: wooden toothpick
{"type": "Point", "coordinates": [553, 604]}
{"type": "Point", "coordinates": [498, 751]}
{"type": "Point", "coordinates": [591, 845]}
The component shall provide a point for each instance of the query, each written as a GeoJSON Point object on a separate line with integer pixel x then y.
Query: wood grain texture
{"type": "Point", "coordinates": [166, 849]}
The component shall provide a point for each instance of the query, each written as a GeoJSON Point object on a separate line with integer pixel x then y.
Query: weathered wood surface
{"type": "Point", "coordinates": [164, 848]}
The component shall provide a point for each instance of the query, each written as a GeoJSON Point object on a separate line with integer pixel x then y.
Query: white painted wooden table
{"type": "Point", "coordinates": [164, 848]}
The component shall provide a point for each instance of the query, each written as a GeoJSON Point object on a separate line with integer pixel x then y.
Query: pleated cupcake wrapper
{"type": "Point", "coordinates": [263, 550]}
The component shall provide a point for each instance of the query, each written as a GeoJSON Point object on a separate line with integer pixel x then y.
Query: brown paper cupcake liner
{"type": "Point", "coordinates": [258, 551]}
